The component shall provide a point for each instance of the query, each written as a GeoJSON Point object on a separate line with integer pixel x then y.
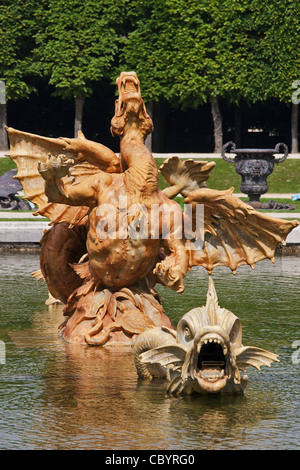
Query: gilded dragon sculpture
{"type": "Point", "coordinates": [105, 274]}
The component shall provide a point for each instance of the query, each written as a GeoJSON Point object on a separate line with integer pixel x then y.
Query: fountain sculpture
{"type": "Point", "coordinates": [204, 355]}
{"type": "Point", "coordinates": [115, 235]}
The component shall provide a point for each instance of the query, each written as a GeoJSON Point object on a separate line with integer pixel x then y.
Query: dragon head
{"type": "Point", "coordinates": [207, 355]}
{"type": "Point", "coordinates": [130, 110]}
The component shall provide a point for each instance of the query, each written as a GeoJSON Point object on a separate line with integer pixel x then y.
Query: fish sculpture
{"type": "Point", "coordinates": [204, 355]}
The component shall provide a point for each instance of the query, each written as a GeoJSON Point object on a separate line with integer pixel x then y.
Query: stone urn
{"type": "Point", "coordinates": [254, 166]}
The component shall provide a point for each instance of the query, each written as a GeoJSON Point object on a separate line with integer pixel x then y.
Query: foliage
{"type": "Point", "coordinates": [18, 26]}
{"type": "Point", "coordinates": [78, 44]}
{"type": "Point", "coordinates": [186, 51]}
{"type": "Point", "coordinates": [190, 51]}
{"type": "Point", "coordinates": [280, 47]}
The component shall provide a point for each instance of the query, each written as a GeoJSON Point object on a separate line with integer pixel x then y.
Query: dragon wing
{"type": "Point", "coordinates": [26, 150]}
{"type": "Point", "coordinates": [255, 357]}
{"type": "Point", "coordinates": [184, 176]}
{"type": "Point", "coordinates": [234, 233]}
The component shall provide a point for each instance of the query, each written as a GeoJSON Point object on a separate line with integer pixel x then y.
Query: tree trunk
{"type": "Point", "coordinates": [3, 133]}
{"type": "Point", "coordinates": [79, 102]}
{"type": "Point", "coordinates": [148, 141]}
{"type": "Point", "coordinates": [294, 128]}
{"type": "Point", "coordinates": [217, 119]}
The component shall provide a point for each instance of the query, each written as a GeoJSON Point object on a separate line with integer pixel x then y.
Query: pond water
{"type": "Point", "coordinates": [59, 396]}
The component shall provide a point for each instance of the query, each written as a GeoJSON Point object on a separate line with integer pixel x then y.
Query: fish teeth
{"type": "Point", "coordinates": [212, 340]}
{"type": "Point", "coordinates": [211, 376]}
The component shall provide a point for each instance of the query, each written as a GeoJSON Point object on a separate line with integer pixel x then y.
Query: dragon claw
{"type": "Point", "coordinates": [55, 167]}
{"type": "Point", "coordinates": [169, 276]}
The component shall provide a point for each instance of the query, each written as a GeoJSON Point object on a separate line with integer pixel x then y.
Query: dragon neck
{"type": "Point", "coordinates": [140, 163]}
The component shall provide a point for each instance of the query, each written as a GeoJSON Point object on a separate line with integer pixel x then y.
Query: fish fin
{"type": "Point", "coordinates": [38, 275]}
{"type": "Point", "coordinates": [175, 386]}
{"type": "Point", "coordinates": [255, 357]}
{"type": "Point", "coordinates": [164, 355]}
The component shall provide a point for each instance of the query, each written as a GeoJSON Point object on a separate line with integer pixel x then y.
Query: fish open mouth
{"type": "Point", "coordinates": [210, 363]}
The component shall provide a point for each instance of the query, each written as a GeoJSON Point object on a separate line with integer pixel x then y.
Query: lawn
{"type": "Point", "coordinates": [180, 201]}
{"type": "Point", "coordinates": [6, 164]}
{"type": "Point", "coordinates": [7, 219]}
{"type": "Point", "coordinates": [284, 179]}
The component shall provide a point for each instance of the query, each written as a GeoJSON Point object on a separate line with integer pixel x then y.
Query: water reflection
{"type": "Point", "coordinates": [59, 396]}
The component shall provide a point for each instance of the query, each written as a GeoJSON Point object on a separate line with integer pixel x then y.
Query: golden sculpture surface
{"type": "Point", "coordinates": [114, 234]}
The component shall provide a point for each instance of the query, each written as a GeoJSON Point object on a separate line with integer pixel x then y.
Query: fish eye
{"type": "Point", "coordinates": [187, 333]}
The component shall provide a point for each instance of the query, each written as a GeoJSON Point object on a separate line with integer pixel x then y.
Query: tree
{"type": "Point", "coordinates": [192, 52]}
{"type": "Point", "coordinates": [78, 46]}
{"type": "Point", "coordinates": [280, 48]}
{"type": "Point", "coordinates": [18, 25]}
{"type": "Point", "coordinates": [153, 48]}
